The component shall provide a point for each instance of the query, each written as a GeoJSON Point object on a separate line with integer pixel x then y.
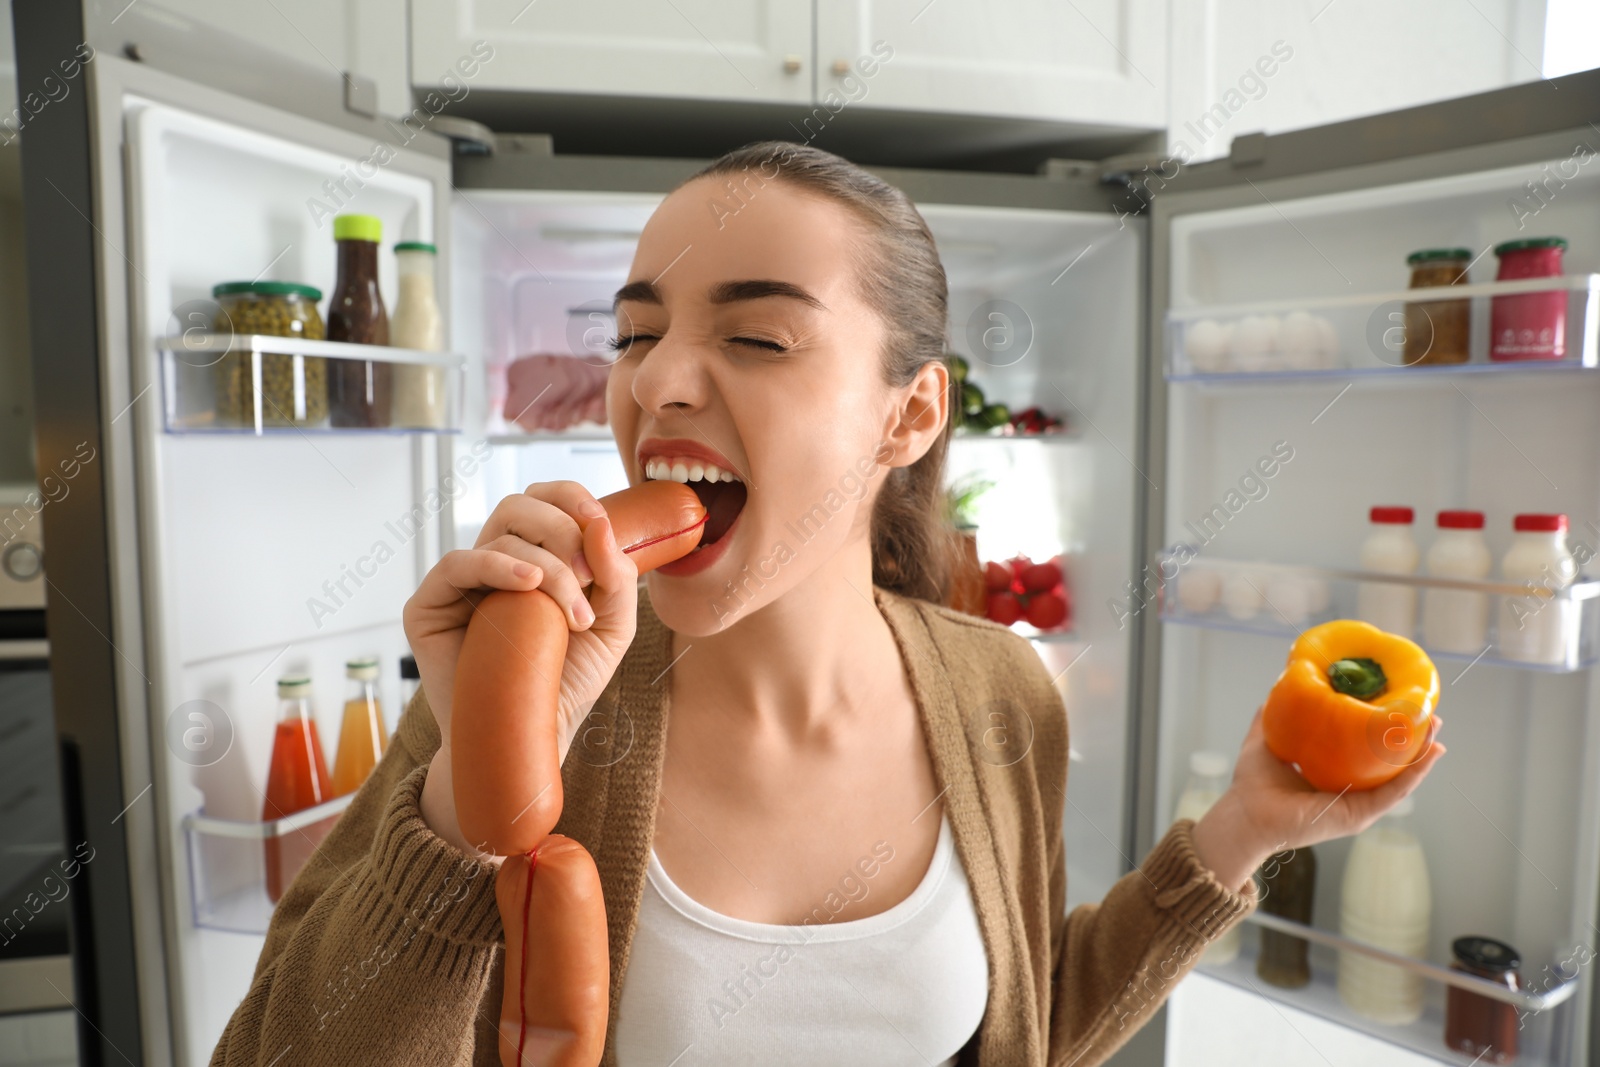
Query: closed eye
{"type": "Point", "coordinates": [618, 344]}
{"type": "Point", "coordinates": [756, 342]}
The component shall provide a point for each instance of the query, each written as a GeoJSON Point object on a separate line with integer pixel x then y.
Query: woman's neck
{"type": "Point", "coordinates": [798, 663]}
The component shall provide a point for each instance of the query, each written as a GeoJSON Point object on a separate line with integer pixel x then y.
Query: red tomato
{"type": "Point", "coordinates": [1004, 608]}
{"type": "Point", "coordinates": [1046, 610]}
{"type": "Point", "coordinates": [1018, 564]}
{"type": "Point", "coordinates": [996, 577]}
{"type": "Point", "coordinates": [1040, 578]}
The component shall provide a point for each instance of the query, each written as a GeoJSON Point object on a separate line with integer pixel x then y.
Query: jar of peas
{"type": "Point", "coordinates": [294, 388]}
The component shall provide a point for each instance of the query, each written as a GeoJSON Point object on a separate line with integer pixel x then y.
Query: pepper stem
{"type": "Point", "coordinates": [1360, 678]}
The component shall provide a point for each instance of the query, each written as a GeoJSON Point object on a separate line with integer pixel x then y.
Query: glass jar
{"type": "Point", "coordinates": [294, 389]}
{"type": "Point", "coordinates": [1438, 331]}
{"type": "Point", "coordinates": [1475, 1025]}
{"type": "Point", "coordinates": [1525, 326]}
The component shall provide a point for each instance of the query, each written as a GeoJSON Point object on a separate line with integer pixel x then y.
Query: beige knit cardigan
{"type": "Point", "coordinates": [386, 948]}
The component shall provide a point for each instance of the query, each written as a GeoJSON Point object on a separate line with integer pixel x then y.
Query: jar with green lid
{"type": "Point", "coordinates": [294, 388]}
{"type": "Point", "coordinates": [1438, 331]}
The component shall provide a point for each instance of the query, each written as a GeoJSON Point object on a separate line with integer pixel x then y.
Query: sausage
{"type": "Point", "coordinates": [656, 522]}
{"type": "Point", "coordinates": [555, 919]}
{"type": "Point", "coordinates": [504, 752]}
{"type": "Point", "coordinates": [506, 767]}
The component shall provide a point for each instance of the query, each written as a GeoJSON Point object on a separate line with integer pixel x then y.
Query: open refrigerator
{"type": "Point", "coordinates": [233, 552]}
{"type": "Point", "coordinates": [200, 568]}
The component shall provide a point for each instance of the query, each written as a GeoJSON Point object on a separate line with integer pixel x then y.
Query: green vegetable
{"type": "Point", "coordinates": [958, 367]}
{"type": "Point", "coordinates": [971, 399]}
{"type": "Point", "coordinates": [1360, 678]}
{"type": "Point", "coordinates": [995, 415]}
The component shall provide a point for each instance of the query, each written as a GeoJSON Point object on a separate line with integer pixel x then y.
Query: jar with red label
{"type": "Point", "coordinates": [1525, 326]}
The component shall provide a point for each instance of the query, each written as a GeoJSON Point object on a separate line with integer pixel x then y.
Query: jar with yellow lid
{"type": "Point", "coordinates": [294, 388]}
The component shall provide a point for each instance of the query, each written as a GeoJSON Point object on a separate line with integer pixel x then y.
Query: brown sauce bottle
{"type": "Point", "coordinates": [359, 391]}
{"type": "Point", "coordinates": [1289, 879]}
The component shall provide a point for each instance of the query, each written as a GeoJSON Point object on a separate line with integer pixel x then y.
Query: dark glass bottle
{"type": "Point", "coordinates": [358, 390]}
{"type": "Point", "coordinates": [1289, 881]}
{"type": "Point", "coordinates": [1475, 1025]}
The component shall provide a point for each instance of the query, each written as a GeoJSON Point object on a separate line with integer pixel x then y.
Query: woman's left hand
{"type": "Point", "coordinates": [1269, 808]}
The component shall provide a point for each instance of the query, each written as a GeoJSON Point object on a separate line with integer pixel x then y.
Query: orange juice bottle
{"type": "Point", "coordinates": [362, 737]}
{"type": "Point", "coordinates": [297, 780]}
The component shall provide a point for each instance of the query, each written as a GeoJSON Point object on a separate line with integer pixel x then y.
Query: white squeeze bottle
{"type": "Point", "coordinates": [1387, 902]}
{"type": "Point", "coordinates": [1208, 779]}
{"type": "Point", "coordinates": [1533, 628]}
{"type": "Point", "coordinates": [1389, 548]}
{"type": "Point", "coordinates": [419, 390]}
{"type": "Point", "coordinates": [1457, 620]}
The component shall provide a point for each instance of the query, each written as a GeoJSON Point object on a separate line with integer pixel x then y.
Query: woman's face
{"type": "Point", "coordinates": [749, 364]}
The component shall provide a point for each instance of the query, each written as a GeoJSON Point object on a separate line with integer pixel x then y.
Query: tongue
{"type": "Point", "coordinates": [723, 501]}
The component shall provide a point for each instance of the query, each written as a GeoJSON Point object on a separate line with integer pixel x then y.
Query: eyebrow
{"type": "Point", "coordinates": [723, 292]}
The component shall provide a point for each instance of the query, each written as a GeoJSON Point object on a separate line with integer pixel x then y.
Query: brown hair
{"type": "Point", "coordinates": [903, 281]}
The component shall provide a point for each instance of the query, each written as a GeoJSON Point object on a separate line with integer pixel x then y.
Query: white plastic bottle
{"type": "Point", "coordinates": [1457, 620]}
{"type": "Point", "coordinates": [1386, 901]}
{"type": "Point", "coordinates": [1391, 549]}
{"type": "Point", "coordinates": [1208, 780]}
{"type": "Point", "coordinates": [1535, 628]}
{"type": "Point", "coordinates": [419, 390]}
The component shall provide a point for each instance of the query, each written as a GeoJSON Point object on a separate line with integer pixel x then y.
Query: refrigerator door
{"type": "Point", "coordinates": [1289, 392]}
{"type": "Point", "coordinates": [1046, 301]}
{"type": "Point", "coordinates": [194, 569]}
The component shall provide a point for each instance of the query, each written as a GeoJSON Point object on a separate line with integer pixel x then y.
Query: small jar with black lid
{"type": "Point", "coordinates": [1476, 1025]}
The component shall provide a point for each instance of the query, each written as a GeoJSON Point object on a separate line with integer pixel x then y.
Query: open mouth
{"type": "Point", "coordinates": [720, 490]}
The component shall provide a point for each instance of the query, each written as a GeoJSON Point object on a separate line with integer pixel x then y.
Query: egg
{"type": "Point", "coordinates": [1328, 342]}
{"type": "Point", "coordinates": [1289, 596]}
{"type": "Point", "coordinates": [1255, 342]}
{"type": "Point", "coordinates": [1206, 343]}
{"type": "Point", "coordinates": [1300, 341]}
{"type": "Point", "coordinates": [1240, 597]}
{"type": "Point", "coordinates": [1198, 589]}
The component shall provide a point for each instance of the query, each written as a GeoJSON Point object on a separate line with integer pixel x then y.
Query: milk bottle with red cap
{"type": "Point", "coordinates": [1457, 620]}
{"type": "Point", "coordinates": [1536, 627]}
{"type": "Point", "coordinates": [1389, 548]}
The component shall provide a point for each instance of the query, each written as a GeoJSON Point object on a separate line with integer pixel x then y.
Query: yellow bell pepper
{"type": "Point", "coordinates": [1351, 709]}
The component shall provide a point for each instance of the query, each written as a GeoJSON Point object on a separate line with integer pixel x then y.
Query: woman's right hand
{"type": "Point", "coordinates": [553, 537]}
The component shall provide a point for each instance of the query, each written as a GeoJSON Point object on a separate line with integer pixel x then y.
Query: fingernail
{"type": "Point", "coordinates": [591, 509]}
{"type": "Point", "coordinates": [582, 613]}
{"type": "Point", "coordinates": [580, 567]}
{"type": "Point", "coordinates": [522, 570]}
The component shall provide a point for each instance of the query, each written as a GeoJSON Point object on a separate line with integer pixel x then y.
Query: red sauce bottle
{"type": "Point", "coordinates": [359, 390]}
{"type": "Point", "coordinates": [296, 780]}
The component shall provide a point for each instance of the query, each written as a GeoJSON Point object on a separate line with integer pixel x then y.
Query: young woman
{"type": "Point", "coordinates": [774, 751]}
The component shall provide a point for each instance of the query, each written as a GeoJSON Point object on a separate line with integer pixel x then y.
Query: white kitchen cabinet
{"type": "Point", "coordinates": [746, 50]}
{"type": "Point", "coordinates": [1089, 61]}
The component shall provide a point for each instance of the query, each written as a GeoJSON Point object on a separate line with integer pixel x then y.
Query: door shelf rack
{"type": "Point", "coordinates": [1364, 336]}
{"type": "Point", "coordinates": [1559, 628]}
{"type": "Point", "coordinates": [262, 385]}
{"type": "Point", "coordinates": [227, 862]}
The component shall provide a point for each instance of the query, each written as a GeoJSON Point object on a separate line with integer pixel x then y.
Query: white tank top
{"type": "Point", "coordinates": [905, 986]}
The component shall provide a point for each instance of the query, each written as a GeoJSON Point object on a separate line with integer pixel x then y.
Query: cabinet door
{"type": "Point", "coordinates": [1101, 62]}
{"type": "Point", "coordinates": [701, 49]}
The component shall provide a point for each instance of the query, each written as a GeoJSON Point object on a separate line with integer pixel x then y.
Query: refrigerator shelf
{"type": "Point", "coordinates": [228, 857]}
{"type": "Point", "coordinates": [262, 385]}
{"type": "Point", "coordinates": [1424, 1036]}
{"type": "Point", "coordinates": [1558, 992]}
{"type": "Point", "coordinates": [1363, 336]}
{"type": "Point", "coordinates": [1557, 632]}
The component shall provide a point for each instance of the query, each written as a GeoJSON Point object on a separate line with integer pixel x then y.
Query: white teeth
{"type": "Point", "coordinates": [686, 470]}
